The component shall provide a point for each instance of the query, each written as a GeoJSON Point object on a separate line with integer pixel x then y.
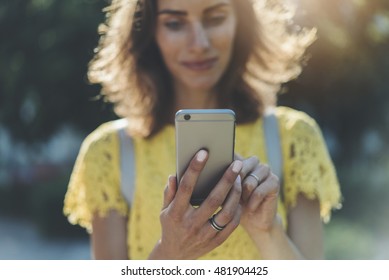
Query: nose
{"type": "Point", "coordinates": [199, 41]}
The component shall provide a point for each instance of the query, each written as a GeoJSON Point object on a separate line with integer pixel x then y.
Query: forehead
{"type": "Point", "coordinates": [195, 6]}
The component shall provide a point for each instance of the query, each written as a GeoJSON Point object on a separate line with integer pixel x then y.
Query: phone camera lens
{"type": "Point", "coordinates": [187, 117]}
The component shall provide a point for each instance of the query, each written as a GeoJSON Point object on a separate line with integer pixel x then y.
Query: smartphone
{"type": "Point", "coordinates": [210, 129]}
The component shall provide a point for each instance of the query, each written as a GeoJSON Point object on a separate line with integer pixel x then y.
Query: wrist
{"type": "Point", "coordinates": [162, 251]}
{"type": "Point", "coordinates": [274, 243]}
{"type": "Point", "coordinates": [159, 253]}
{"type": "Point", "coordinates": [266, 232]}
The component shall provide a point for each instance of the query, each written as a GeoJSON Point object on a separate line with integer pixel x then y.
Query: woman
{"type": "Point", "coordinates": [156, 57]}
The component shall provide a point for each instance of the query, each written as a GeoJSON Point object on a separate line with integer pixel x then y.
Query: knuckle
{"type": "Point", "coordinates": [166, 191]}
{"type": "Point", "coordinates": [275, 180]}
{"type": "Point", "coordinates": [227, 214]}
{"type": "Point", "coordinates": [196, 166]}
{"type": "Point", "coordinates": [229, 176]}
{"type": "Point", "coordinates": [172, 214]}
{"type": "Point", "coordinates": [257, 194]}
{"type": "Point", "coordinates": [214, 201]}
{"type": "Point", "coordinates": [266, 169]}
{"type": "Point", "coordinates": [184, 186]}
{"type": "Point", "coordinates": [162, 216]}
{"type": "Point", "coordinates": [249, 186]}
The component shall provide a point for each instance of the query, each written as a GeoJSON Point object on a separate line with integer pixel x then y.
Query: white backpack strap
{"type": "Point", "coordinates": [273, 145]}
{"type": "Point", "coordinates": [127, 164]}
{"type": "Point", "coordinates": [127, 161]}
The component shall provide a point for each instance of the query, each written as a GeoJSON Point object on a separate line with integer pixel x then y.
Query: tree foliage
{"type": "Point", "coordinates": [345, 82]}
{"type": "Point", "coordinates": [345, 88]}
{"type": "Point", "coordinates": [45, 49]}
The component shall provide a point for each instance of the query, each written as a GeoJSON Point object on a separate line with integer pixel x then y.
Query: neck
{"type": "Point", "coordinates": [194, 99]}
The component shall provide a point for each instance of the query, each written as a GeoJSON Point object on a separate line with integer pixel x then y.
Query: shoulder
{"type": "Point", "coordinates": [104, 135]}
{"type": "Point", "coordinates": [106, 130]}
{"type": "Point", "coordinates": [94, 186]}
{"type": "Point", "coordinates": [292, 120]}
{"type": "Point", "coordinates": [308, 168]}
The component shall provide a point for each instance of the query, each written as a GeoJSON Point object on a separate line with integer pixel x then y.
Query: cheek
{"type": "Point", "coordinates": [224, 46]}
{"type": "Point", "coordinates": [223, 39]}
{"type": "Point", "coordinates": [168, 44]}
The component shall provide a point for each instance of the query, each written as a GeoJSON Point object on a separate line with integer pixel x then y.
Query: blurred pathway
{"type": "Point", "coordinates": [20, 240]}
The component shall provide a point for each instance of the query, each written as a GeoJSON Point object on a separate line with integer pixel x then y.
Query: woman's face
{"type": "Point", "coordinates": [196, 38]}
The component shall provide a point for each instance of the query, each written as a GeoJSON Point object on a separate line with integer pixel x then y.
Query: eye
{"type": "Point", "coordinates": [174, 25]}
{"type": "Point", "coordinates": [215, 20]}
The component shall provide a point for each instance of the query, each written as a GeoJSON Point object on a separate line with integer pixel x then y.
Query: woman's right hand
{"type": "Point", "coordinates": [186, 231]}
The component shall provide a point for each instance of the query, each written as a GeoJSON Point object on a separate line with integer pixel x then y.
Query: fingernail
{"type": "Point", "coordinates": [238, 180]}
{"type": "Point", "coordinates": [201, 155]}
{"type": "Point", "coordinates": [237, 166]}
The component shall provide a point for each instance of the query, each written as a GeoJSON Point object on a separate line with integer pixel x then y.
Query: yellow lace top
{"type": "Point", "coordinates": [95, 182]}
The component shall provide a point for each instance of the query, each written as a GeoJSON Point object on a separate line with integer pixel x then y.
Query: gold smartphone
{"type": "Point", "coordinates": [210, 129]}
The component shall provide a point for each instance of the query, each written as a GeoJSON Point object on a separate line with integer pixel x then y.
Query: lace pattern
{"type": "Point", "coordinates": [307, 165]}
{"type": "Point", "coordinates": [94, 185]}
{"type": "Point", "coordinates": [95, 182]}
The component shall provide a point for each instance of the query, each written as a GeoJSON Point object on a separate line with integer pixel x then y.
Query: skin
{"type": "Point", "coordinates": [195, 39]}
{"type": "Point", "coordinates": [193, 236]}
{"type": "Point", "coordinates": [304, 238]}
{"type": "Point", "coordinates": [109, 237]}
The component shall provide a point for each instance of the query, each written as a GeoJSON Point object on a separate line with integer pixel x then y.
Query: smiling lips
{"type": "Point", "coordinates": [200, 65]}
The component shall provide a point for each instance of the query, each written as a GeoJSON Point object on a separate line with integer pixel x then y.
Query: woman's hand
{"type": "Point", "coordinates": [260, 189]}
{"type": "Point", "coordinates": [187, 232]}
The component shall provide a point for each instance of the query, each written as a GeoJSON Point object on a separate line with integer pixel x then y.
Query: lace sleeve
{"type": "Point", "coordinates": [308, 168]}
{"type": "Point", "coordinates": [94, 185]}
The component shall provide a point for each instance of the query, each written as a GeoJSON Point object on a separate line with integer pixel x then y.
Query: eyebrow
{"type": "Point", "coordinates": [184, 13]}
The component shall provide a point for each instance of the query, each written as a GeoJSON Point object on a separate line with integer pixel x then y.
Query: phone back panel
{"type": "Point", "coordinates": [213, 130]}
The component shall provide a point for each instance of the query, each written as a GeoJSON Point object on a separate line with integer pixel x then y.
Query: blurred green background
{"type": "Point", "coordinates": [47, 108]}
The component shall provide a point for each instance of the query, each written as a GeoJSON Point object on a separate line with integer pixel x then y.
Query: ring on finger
{"type": "Point", "coordinates": [214, 225]}
{"type": "Point", "coordinates": [254, 176]}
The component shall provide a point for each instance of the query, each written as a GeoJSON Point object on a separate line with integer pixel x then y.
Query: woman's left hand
{"type": "Point", "coordinates": [260, 188]}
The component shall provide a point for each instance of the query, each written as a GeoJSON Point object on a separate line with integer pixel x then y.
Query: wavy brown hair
{"type": "Point", "coordinates": [130, 69]}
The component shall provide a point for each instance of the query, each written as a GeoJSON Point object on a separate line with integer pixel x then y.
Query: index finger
{"type": "Point", "coordinates": [188, 181]}
{"type": "Point", "coordinates": [218, 195]}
